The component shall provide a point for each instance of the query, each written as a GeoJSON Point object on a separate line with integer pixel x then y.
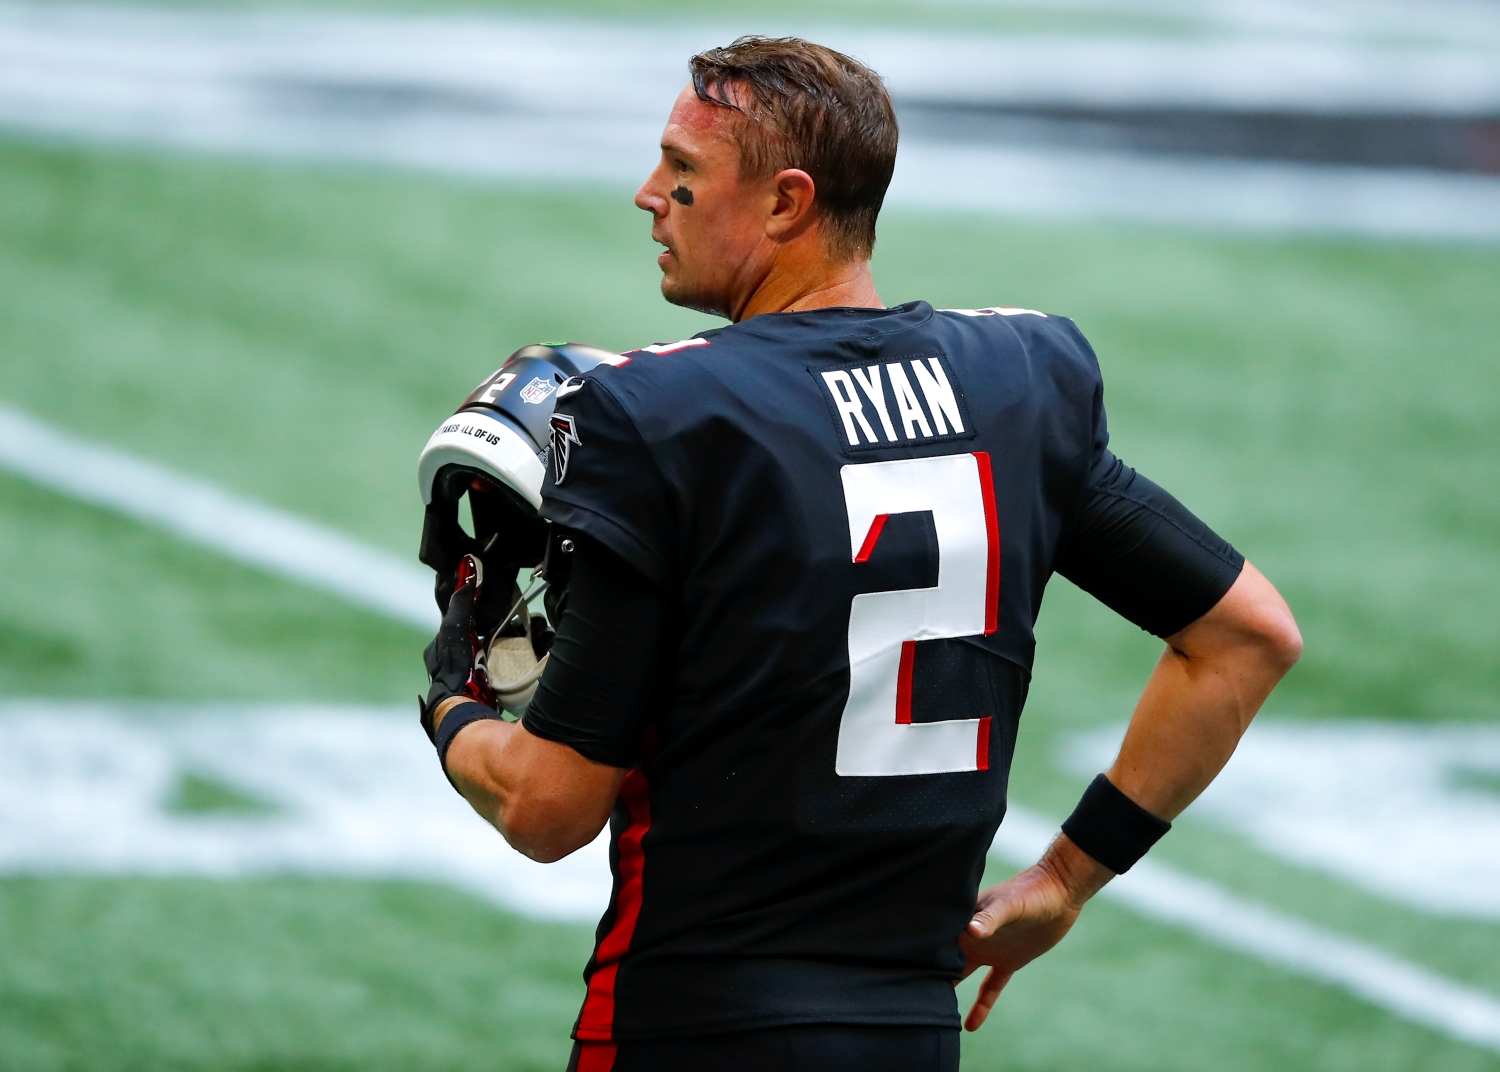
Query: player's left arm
{"type": "Point", "coordinates": [1147, 557]}
{"type": "Point", "coordinates": [1208, 684]}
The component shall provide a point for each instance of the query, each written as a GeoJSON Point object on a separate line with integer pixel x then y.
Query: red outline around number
{"type": "Point", "coordinates": [872, 537]}
{"type": "Point", "coordinates": [992, 530]}
{"type": "Point", "coordinates": [903, 682]}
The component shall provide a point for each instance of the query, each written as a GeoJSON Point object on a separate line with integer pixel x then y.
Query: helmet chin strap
{"type": "Point", "coordinates": [538, 586]}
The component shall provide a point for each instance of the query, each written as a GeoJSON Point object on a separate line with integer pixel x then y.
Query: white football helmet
{"type": "Point", "coordinates": [495, 449]}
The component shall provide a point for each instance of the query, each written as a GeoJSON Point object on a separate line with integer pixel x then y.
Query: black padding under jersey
{"type": "Point", "coordinates": [597, 690]}
{"type": "Point", "coordinates": [1143, 554]}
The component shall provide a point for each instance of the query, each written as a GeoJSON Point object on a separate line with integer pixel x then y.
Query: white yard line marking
{"type": "Point", "coordinates": [1397, 810]}
{"type": "Point", "coordinates": [1165, 894]}
{"type": "Point", "coordinates": [1456, 21]}
{"type": "Point", "coordinates": [203, 513]}
{"type": "Point", "coordinates": [301, 550]}
{"type": "Point", "coordinates": [355, 791]}
{"type": "Point", "coordinates": [1241, 195]}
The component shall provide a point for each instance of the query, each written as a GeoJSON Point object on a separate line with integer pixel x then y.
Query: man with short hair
{"type": "Point", "coordinates": [811, 547]}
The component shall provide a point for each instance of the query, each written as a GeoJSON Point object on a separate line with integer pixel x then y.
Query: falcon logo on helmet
{"type": "Point", "coordinates": [493, 450]}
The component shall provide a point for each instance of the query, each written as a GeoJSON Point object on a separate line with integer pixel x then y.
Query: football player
{"type": "Point", "coordinates": [807, 551]}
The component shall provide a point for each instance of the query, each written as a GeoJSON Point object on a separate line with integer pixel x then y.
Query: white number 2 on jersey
{"type": "Point", "coordinates": [877, 736]}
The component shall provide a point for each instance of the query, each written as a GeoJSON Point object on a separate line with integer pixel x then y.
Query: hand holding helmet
{"type": "Point", "coordinates": [452, 668]}
{"type": "Point", "coordinates": [493, 450]}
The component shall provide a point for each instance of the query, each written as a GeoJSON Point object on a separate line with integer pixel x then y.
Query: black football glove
{"type": "Point", "coordinates": [450, 658]}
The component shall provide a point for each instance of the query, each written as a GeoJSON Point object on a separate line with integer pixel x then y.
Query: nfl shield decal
{"type": "Point", "coordinates": [537, 391]}
{"type": "Point", "coordinates": [564, 439]}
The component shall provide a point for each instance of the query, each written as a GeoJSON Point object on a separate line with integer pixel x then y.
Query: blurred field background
{"type": "Point", "coordinates": [293, 331]}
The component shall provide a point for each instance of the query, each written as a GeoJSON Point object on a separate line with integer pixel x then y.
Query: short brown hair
{"type": "Point", "coordinates": [812, 108]}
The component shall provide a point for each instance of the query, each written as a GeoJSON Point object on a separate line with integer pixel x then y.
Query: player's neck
{"type": "Point", "coordinates": [797, 288]}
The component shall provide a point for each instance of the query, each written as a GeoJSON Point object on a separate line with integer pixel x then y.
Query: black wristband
{"type": "Point", "coordinates": [459, 716]}
{"type": "Point", "coordinates": [1111, 827]}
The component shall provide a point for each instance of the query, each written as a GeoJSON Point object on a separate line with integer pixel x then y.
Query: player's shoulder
{"type": "Point", "coordinates": [664, 349]}
{"type": "Point", "coordinates": [656, 377]}
{"type": "Point", "coordinates": [1025, 324]}
{"type": "Point", "coordinates": [1045, 337]}
{"type": "Point", "coordinates": [675, 358]}
{"type": "Point", "coordinates": [658, 358]}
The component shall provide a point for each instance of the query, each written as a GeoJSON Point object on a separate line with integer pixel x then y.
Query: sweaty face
{"type": "Point", "coordinates": [711, 224]}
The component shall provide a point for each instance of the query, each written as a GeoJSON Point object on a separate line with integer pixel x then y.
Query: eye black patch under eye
{"type": "Point", "coordinates": [682, 195]}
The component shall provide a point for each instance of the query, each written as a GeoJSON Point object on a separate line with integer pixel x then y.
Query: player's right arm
{"type": "Point", "coordinates": [545, 798]}
{"type": "Point", "coordinates": [549, 782]}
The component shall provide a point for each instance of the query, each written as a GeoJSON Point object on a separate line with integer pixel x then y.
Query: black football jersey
{"type": "Point", "coordinates": [853, 514]}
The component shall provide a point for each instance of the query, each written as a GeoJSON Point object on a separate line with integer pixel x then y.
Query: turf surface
{"type": "Point", "coordinates": [284, 974]}
{"type": "Point", "coordinates": [296, 333]}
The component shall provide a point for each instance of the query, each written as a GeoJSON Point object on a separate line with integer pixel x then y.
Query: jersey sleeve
{"type": "Point", "coordinates": [1143, 554]}
{"type": "Point", "coordinates": [597, 692]}
{"type": "Point", "coordinates": [1134, 547]}
{"type": "Point", "coordinates": [602, 480]}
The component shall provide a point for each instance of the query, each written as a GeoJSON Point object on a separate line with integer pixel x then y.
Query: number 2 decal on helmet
{"type": "Point", "coordinates": [877, 736]}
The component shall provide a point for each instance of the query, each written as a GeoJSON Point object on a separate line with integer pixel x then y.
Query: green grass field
{"type": "Point", "coordinates": [1330, 405]}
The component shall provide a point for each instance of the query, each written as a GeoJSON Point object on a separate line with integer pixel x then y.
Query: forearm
{"type": "Point", "coordinates": [545, 799]}
{"type": "Point", "coordinates": [476, 763]}
{"type": "Point", "coordinates": [548, 783]}
{"type": "Point", "coordinates": [1186, 726]}
{"type": "Point", "coordinates": [1207, 686]}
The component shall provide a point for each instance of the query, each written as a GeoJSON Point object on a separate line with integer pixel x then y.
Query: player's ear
{"type": "Point", "coordinates": [791, 203]}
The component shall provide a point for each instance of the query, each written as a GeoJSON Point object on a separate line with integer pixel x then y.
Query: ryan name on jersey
{"type": "Point", "coordinates": [913, 400]}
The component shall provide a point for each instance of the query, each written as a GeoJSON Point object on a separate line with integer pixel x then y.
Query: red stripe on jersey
{"type": "Point", "coordinates": [595, 1057]}
{"type": "Point", "coordinates": [992, 530]}
{"type": "Point", "coordinates": [903, 682]}
{"type": "Point", "coordinates": [597, 1021]}
{"type": "Point", "coordinates": [984, 744]}
{"type": "Point", "coordinates": [872, 537]}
